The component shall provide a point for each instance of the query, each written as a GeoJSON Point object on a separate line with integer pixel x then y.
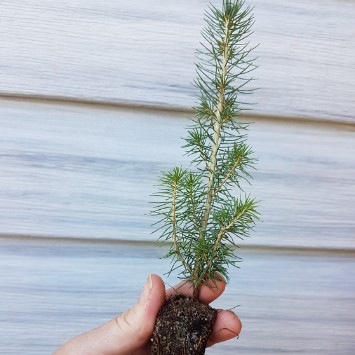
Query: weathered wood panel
{"type": "Point", "coordinates": [136, 51]}
{"type": "Point", "coordinates": [86, 171]}
{"type": "Point", "coordinates": [289, 303]}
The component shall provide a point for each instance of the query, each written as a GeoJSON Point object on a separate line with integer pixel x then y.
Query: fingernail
{"type": "Point", "coordinates": [148, 285]}
{"type": "Point", "coordinates": [150, 282]}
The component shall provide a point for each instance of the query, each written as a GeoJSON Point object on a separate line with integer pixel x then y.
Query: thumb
{"type": "Point", "coordinates": [135, 326]}
{"type": "Point", "coordinates": [127, 332]}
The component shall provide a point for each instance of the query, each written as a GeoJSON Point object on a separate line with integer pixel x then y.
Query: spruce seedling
{"type": "Point", "coordinates": [203, 209]}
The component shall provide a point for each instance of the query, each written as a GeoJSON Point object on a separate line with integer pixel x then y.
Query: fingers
{"type": "Point", "coordinates": [226, 326]}
{"type": "Point", "coordinates": [128, 332]}
{"type": "Point", "coordinates": [208, 292]}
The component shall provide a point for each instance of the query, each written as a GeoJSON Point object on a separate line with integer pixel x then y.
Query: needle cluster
{"type": "Point", "coordinates": [203, 209]}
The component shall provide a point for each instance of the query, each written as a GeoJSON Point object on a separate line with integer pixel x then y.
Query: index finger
{"type": "Point", "coordinates": [209, 291]}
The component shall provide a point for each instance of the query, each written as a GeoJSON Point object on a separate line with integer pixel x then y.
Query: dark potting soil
{"type": "Point", "coordinates": [182, 327]}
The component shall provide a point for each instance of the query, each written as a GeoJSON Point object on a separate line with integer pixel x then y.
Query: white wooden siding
{"type": "Point", "coordinates": [289, 303]}
{"type": "Point", "coordinates": [143, 51]}
{"type": "Point", "coordinates": [83, 171]}
{"type": "Point", "coordinates": [89, 172]}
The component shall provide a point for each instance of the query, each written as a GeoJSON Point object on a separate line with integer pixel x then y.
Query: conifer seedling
{"type": "Point", "coordinates": [203, 209]}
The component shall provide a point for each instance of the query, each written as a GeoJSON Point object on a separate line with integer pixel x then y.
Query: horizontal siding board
{"type": "Point", "coordinates": [124, 51]}
{"type": "Point", "coordinates": [81, 171]}
{"type": "Point", "coordinates": [288, 303]}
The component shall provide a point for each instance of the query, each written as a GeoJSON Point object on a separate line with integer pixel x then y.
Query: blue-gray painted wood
{"type": "Point", "coordinates": [81, 171]}
{"type": "Point", "coordinates": [289, 303]}
{"type": "Point", "coordinates": [143, 52]}
{"type": "Point", "coordinates": [87, 172]}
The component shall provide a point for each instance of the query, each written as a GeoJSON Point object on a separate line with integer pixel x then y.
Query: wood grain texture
{"type": "Point", "coordinates": [289, 303]}
{"type": "Point", "coordinates": [81, 171]}
{"type": "Point", "coordinates": [143, 52]}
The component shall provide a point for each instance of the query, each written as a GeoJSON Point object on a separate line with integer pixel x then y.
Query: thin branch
{"type": "Point", "coordinates": [173, 222]}
{"type": "Point", "coordinates": [194, 217]}
{"type": "Point", "coordinates": [231, 171]}
{"type": "Point", "coordinates": [220, 235]}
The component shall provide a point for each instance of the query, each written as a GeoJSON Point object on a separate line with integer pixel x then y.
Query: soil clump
{"type": "Point", "coordinates": [182, 327]}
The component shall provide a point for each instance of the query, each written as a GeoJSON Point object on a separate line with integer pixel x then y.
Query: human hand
{"type": "Point", "coordinates": [130, 332]}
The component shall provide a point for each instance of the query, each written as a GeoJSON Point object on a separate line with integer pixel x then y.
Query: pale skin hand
{"type": "Point", "coordinates": [130, 332]}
